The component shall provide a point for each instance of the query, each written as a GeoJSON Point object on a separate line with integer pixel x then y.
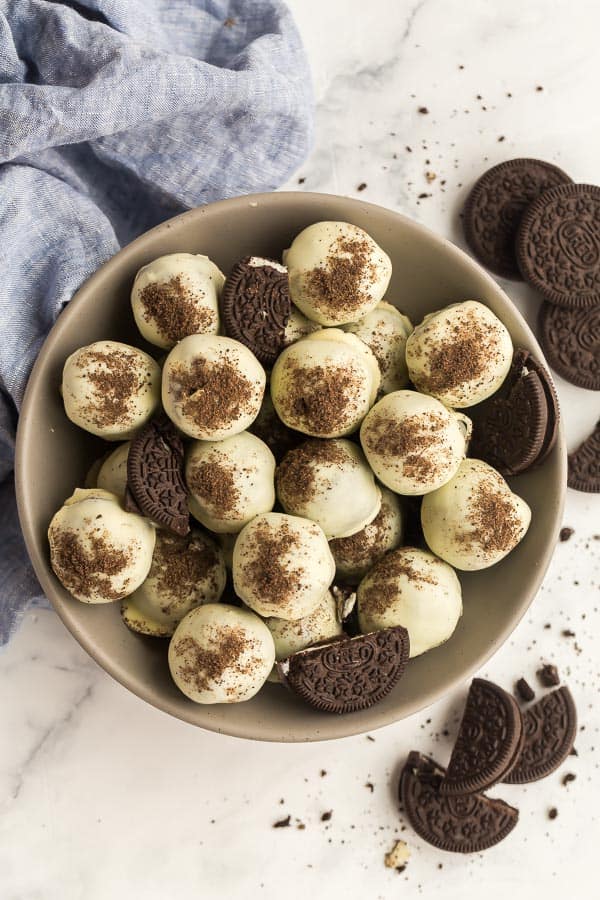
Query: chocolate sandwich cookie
{"type": "Point", "coordinates": [466, 824]}
{"type": "Point", "coordinates": [488, 743]}
{"type": "Point", "coordinates": [348, 674]}
{"type": "Point", "coordinates": [550, 727]}
{"type": "Point", "coordinates": [256, 306]}
{"type": "Point", "coordinates": [495, 205]}
{"type": "Point", "coordinates": [584, 470]}
{"type": "Point", "coordinates": [570, 339]}
{"type": "Point", "coordinates": [155, 482]}
{"type": "Point", "coordinates": [558, 245]}
{"type": "Point", "coordinates": [517, 427]}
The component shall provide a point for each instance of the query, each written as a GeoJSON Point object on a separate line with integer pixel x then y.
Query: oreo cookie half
{"type": "Point", "coordinates": [348, 674]}
{"type": "Point", "coordinates": [584, 464]}
{"type": "Point", "coordinates": [550, 727]}
{"type": "Point", "coordinates": [256, 306]}
{"type": "Point", "coordinates": [466, 824]}
{"type": "Point", "coordinates": [155, 483]}
{"type": "Point", "coordinates": [488, 743]}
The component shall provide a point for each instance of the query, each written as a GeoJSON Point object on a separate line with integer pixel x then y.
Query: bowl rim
{"type": "Point", "coordinates": [39, 562]}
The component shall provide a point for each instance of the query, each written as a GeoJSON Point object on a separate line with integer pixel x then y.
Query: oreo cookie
{"type": "Point", "coordinates": [496, 204]}
{"type": "Point", "coordinates": [155, 483]}
{"type": "Point", "coordinates": [583, 466]}
{"type": "Point", "coordinates": [570, 339]}
{"type": "Point", "coordinates": [558, 245]}
{"type": "Point", "coordinates": [466, 824]}
{"type": "Point", "coordinates": [517, 427]}
{"type": "Point", "coordinates": [348, 674]}
{"type": "Point", "coordinates": [256, 306]}
{"type": "Point", "coordinates": [550, 727]}
{"type": "Point", "coordinates": [489, 741]}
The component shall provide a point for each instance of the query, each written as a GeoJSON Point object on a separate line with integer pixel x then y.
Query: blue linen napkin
{"type": "Point", "coordinates": [115, 115]}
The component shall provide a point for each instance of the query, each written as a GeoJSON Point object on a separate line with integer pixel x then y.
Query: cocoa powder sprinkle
{"type": "Point", "coordinates": [176, 309]}
{"type": "Point", "coordinates": [463, 358]}
{"type": "Point", "coordinates": [181, 564]}
{"type": "Point", "coordinates": [87, 570]}
{"type": "Point", "coordinates": [409, 440]}
{"type": "Point", "coordinates": [115, 377]}
{"type": "Point", "coordinates": [383, 589]}
{"type": "Point", "coordinates": [296, 475]}
{"type": "Point", "coordinates": [211, 394]}
{"type": "Point", "coordinates": [325, 398]}
{"type": "Point", "coordinates": [496, 526]}
{"type": "Point", "coordinates": [214, 485]}
{"type": "Point", "coordinates": [341, 284]}
{"type": "Point", "coordinates": [272, 578]}
{"type": "Point", "coordinates": [202, 666]}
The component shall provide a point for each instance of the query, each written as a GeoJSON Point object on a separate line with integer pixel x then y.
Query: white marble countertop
{"type": "Point", "coordinates": [104, 797]}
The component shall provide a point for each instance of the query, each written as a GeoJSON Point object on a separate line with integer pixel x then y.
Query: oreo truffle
{"type": "Point", "coordinates": [112, 474]}
{"type": "Point", "coordinates": [355, 555]}
{"type": "Point", "coordinates": [385, 330]}
{"type": "Point", "coordinates": [337, 272]}
{"type": "Point", "coordinates": [99, 552]}
{"type": "Point", "coordinates": [330, 483]}
{"type": "Point", "coordinates": [324, 384]}
{"type": "Point", "coordinates": [474, 520]}
{"type": "Point", "coordinates": [460, 354]}
{"type": "Point", "coordinates": [110, 389]}
{"type": "Point", "coordinates": [415, 589]}
{"type": "Point", "coordinates": [282, 566]}
{"type": "Point", "coordinates": [175, 296]}
{"type": "Point", "coordinates": [212, 387]}
{"type": "Point", "coordinates": [413, 443]}
{"type": "Point", "coordinates": [186, 571]}
{"type": "Point", "coordinates": [322, 623]}
{"type": "Point", "coordinates": [220, 654]}
{"type": "Point", "coordinates": [230, 481]}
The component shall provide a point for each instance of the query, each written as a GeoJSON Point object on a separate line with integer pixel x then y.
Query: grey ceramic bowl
{"type": "Point", "coordinates": [53, 457]}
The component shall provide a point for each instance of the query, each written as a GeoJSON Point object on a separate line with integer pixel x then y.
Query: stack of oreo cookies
{"type": "Point", "coordinates": [496, 743]}
{"type": "Point", "coordinates": [525, 218]}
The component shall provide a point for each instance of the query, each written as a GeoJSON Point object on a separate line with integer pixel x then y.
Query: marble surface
{"type": "Point", "coordinates": [102, 796]}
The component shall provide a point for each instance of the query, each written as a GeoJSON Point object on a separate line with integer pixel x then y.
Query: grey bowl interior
{"type": "Point", "coordinates": [53, 457]}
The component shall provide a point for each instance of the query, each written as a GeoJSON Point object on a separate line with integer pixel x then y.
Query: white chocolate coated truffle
{"type": "Point", "coordinates": [355, 555]}
{"type": "Point", "coordinates": [461, 354]}
{"type": "Point", "coordinates": [230, 481]}
{"type": "Point", "coordinates": [413, 443]}
{"type": "Point", "coordinates": [337, 272]}
{"type": "Point", "coordinates": [110, 389]}
{"type": "Point", "coordinates": [298, 326]}
{"type": "Point", "coordinates": [474, 520]}
{"type": "Point", "coordinates": [282, 566]}
{"type": "Point", "coordinates": [330, 483]}
{"type": "Point", "coordinates": [322, 623]}
{"type": "Point", "coordinates": [385, 330]}
{"type": "Point", "coordinates": [324, 384]}
{"type": "Point", "coordinates": [112, 475]}
{"type": "Point", "coordinates": [99, 552]}
{"type": "Point", "coordinates": [220, 654]}
{"type": "Point", "coordinates": [415, 589]}
{"type": "Point", "coordinates": [177, 295]}
{"type": "Point", "coordinates": [185, 572]}
{"type": "Point", "coordinates": [212, 387]}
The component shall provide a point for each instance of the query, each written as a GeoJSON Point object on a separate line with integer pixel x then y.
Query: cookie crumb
{"type": "Point", "coordinates": [283, 823]}
{"type": "Point", "coordinates": [370, 786]}
{"type": "Point", "coordinates": [524, 690]}
{"type": "Point", "coordinates": [566, 533]}
{"type": "Point", "coordinates": [548, 675]}
{"type": "Point", "coordinates": [398, 856]}
{"type": "Point", "coordinates": [552, 813]}
{"type": "Point", "coordinates": [423, 110]}
{"type": "Point", "coordinates": [568, 778]}
{"type": "Point", "coordinates": [326, 816]}
{"type": "Point", "coordinates": [362, 186]}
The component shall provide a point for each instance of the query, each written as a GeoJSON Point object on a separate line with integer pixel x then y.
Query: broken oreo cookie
{"type": "Point", "coordinates": [155, 483]}
{"type": "Point", "coordinates": [348, 674]}
{"type": "Point", "coordinates": [489, 741]}
{"type": "Point", "coordinates": [550, 727]}
{"type": "Point", "coordinates": [517, 427]}
{"type": "Point", "coordinates": [583, 466]}
{"type": "Point", "coordinates": [256, 306]}
{"type": "Point", "coordinates": [570, 339]}
{"type": "Point", "coordinates": [467, 824]}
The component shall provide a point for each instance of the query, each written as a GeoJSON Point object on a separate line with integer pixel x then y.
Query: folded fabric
{"type": "Point", "coordinates": [114, 116]}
